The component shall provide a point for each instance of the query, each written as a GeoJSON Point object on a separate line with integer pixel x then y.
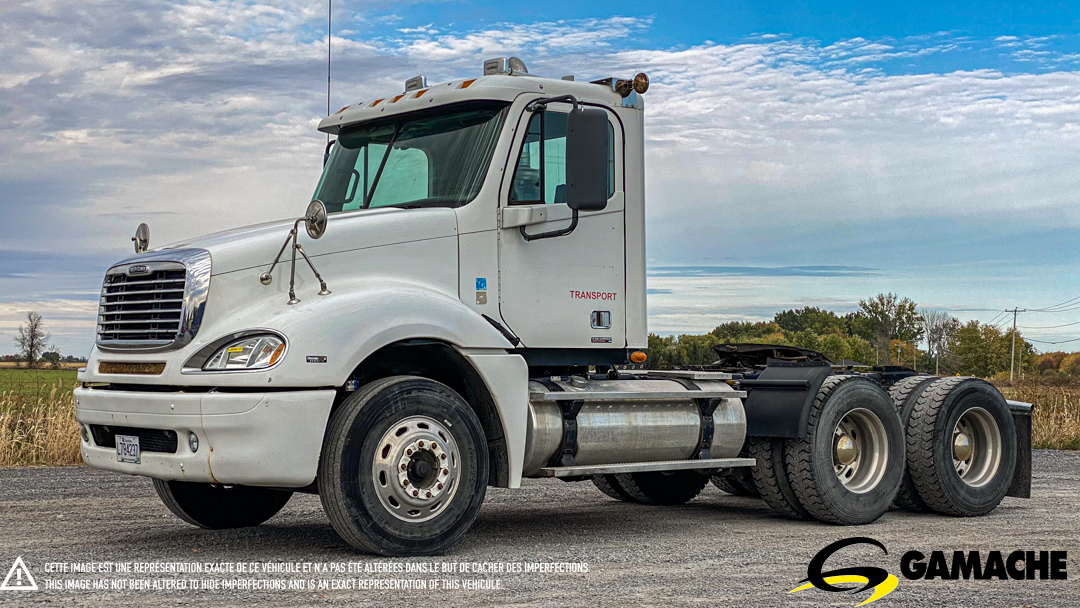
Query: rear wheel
{"type": "Point", "coordinates": [404, 467]}
{"type": "Point", "coordinates": [770, 477]}
{"type": "Point", "coordinates": [610, 486]}
{"type": "Point", "coordinates": [904, 395]}
{"type": "Point", "coordinates": [961, 446]}
{"type": "Point", "coordinates": [849, 467]}
{"type": "Point", "coordinates": [218, 507]}
{"type": "Point", "coordinates": [662, 487]}
{"type": "Point", "coordinates": [738, 482]}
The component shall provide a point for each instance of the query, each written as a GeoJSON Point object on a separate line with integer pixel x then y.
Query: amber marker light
{"type": "Point", "coordinates": [277, 354]}
{"type": "Point", "coordinates": [638, 357]}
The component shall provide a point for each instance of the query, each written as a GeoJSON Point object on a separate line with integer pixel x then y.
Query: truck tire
{"type": "Point", "coordinates": [218, 507]}
{"type": "Point", "coordinates": [610, 486]}
{"type": "Point", "coordinates": [770, 477]}
{"type": "Point", "coordinates": [904, 394]}
{"type": "Point", "coordinates": [739, 482]}
{"type": "Point", "coordinates": [961, 446]}
{"type": "Point", "coordinates": [404, 467]}
{"type": "Point", "coordinates": [848, 468]}
{"type": "Point", "coordinates": [662, 488]}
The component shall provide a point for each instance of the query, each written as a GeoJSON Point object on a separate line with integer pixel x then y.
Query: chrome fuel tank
{"type": "Point", "coordinates": [635, 429]}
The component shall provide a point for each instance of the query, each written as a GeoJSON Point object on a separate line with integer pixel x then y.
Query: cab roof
{"type": "Point", "coordinates": [498, 87]}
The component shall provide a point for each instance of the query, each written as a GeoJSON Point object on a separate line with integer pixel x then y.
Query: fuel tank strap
{"type": "Point", "coordinates": [564, 456]}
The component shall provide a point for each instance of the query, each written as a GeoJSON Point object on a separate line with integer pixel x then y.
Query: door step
{"type": "Point", "coordinates": [710, 464]}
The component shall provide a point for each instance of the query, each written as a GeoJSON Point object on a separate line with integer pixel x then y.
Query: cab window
{"type": "Point", "coordinates": [540, 175]}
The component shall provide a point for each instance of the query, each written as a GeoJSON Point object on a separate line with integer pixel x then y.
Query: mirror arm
{"type": "Point", "coordinates": [553, 233]}
{"type": "Point", "coordinates": [326, 152]}
{"type": "Point", "coordinates": [539, 105]}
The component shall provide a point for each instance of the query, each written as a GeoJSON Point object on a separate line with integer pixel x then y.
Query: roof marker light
{"type": "Point", "coordinates": [467, 83]}
{"type": "Point", "coordinates": [395, 99]}
{"type": "Point", "coordinates": [375, 103]}
{"type": "Point", "coordinates": [421, 93]}
{"type": "Point", "coordinates": [415, 83]}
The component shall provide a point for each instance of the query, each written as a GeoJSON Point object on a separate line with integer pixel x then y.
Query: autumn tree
{"type": "Point", "coordinates": [939, 327]}
{"type": "Point", "coordinates": [32, 339]}
{"type": "Point", "coordinates": [892, 318]}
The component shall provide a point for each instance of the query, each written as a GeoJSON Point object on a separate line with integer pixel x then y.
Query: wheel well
{"type": "Point", "coordinates": [441, 362]}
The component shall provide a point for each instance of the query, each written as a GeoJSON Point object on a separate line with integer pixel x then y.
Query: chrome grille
{"type": "Point", "coordinates": [146, 307]}
{"type": "Point", "coordinates": [154, 301]}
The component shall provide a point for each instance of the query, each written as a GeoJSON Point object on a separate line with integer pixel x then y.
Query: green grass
{"type": "Point", "coordinates": [35, 382]}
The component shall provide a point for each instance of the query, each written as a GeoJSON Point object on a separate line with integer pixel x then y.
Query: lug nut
{"type": "Point", "coordinates": [445, 472]}
{"type": "Point", "coordinates": [443, 456]}
{"type": "Point", "coordinates": [440, 486]}
{"type": "Point", "coordinates": [408, 452]}
{"type": "Point", "coordinates": [429, 494]}
{"type": "Point", "coordinates": [405, 482]}
{"type": "Point", "coordinates": [404, 467]}
{"type": "Point", "coordinates": [415, 493]}
{"type": "Point", "coordinates": [433, 446]}
{"type": "Point", "coordinates": [421, 444]}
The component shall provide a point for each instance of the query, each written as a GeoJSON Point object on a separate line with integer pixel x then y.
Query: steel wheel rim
{"type": "Point", "coordinates": [409, 485]}
{"type": "Point", "coordinates": [866, 431]}
{"type": "Point", "coordinates": [984, 460]}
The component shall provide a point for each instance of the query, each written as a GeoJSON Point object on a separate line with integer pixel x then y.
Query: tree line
{"type": "Point", "coordinates": [886, 330]}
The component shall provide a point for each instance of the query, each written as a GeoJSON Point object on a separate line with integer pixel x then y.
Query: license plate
{"type": "Point", "coordinates": [127, 449]}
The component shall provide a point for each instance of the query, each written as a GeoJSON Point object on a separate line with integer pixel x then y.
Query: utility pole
{"type": "Point", "coordinates": [1012, 353]}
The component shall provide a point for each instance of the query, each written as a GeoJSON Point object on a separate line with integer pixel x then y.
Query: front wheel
{"type": "Point", "coordinates": [218, 507]}
{"type": "Point", "coordinates": [404, 467]}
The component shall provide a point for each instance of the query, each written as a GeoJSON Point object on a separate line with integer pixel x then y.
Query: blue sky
{"type": "Point", "coordinates": [933, 145]}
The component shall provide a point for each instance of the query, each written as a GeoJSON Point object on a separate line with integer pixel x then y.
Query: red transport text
{"type": "Point", "coordinates": [593, 295]}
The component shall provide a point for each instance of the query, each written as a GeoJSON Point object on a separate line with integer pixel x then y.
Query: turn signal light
{"type": "Point", "coordinates": [638, 357]}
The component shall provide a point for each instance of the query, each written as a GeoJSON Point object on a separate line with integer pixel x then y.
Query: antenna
{"type": "Point", "coordinates": [329, 39]}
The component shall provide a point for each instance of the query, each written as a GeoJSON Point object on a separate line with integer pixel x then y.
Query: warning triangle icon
{"type": "Point", "coordinates": [19, 578]}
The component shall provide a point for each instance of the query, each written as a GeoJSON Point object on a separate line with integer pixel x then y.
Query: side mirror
{"type": "Point", "coordinates": [587, 160]}
{"type": "Point", "coordinates": [315, 219]}
{"type": "Point", "coordinates": [141, 238]}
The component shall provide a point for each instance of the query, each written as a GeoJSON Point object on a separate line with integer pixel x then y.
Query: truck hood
{"type": "Point", "coordinates": [255, 246]}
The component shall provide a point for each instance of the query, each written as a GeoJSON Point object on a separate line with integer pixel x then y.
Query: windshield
{"type": "Point", "coordinates": [430, 159]}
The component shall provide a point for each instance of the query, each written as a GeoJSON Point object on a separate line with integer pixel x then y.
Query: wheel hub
{"type": "Point", "coordinates": [962, 448]}
{"type": "Point", "coordinates": [416, 469]}
{"type": "Point", "coordinates": [845, 450]}
{"type": "Point", "coordinates": [976, 447]}
{"type": "Point", "coordinates": [860, 451]}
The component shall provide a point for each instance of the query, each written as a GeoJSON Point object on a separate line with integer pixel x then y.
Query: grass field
{"type": "Point", "coordinates": [37, 416]}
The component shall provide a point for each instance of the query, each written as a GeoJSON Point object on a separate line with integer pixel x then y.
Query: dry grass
{"type": "Point", "coordinates": [39, 429]}
{"type": "Point", "coordinates": [1055, 419]}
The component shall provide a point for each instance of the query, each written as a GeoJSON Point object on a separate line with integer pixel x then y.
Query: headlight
{"type": "Point", "coordinates": [254, 352]}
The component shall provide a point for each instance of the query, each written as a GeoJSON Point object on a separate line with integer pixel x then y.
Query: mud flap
{"type": "Point", "coordinates": [1021, 482]}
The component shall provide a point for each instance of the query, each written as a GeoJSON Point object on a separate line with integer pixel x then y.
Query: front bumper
{"type": "Point", "coordinates": [258, 439]}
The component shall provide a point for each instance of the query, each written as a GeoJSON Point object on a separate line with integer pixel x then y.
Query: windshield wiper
{"type": "Point", "coordinates": [382, 163]}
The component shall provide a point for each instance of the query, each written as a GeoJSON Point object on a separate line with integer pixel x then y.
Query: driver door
{"type": "Point", "coordinates": [565, 291]}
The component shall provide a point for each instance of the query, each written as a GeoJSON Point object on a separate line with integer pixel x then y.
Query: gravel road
{"type": "Point", "coordinates": [717, 550]}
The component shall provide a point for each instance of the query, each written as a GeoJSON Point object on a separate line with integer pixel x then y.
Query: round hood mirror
{"type": "Point", "coordinates": [141, 238]}
{"type": "Point", "coordinates": [315, 219]}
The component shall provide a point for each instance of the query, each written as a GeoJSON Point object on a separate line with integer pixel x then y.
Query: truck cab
{"type": "Point", "coordinates": [469, 279]}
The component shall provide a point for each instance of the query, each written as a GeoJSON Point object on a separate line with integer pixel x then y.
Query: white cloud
{"type": "Point", "coordinates": [114, 111]}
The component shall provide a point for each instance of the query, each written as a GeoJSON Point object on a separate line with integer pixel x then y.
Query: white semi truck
{"type": "Point", "coordinates": [480, 247]}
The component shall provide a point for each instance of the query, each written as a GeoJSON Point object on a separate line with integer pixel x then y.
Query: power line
{"type": "Point", "coordinates": [1050, 308]}
{"type": "Point", "coordinates": [1047, 326]}
{"type": "Point", "coordinates": [1057, 342]}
